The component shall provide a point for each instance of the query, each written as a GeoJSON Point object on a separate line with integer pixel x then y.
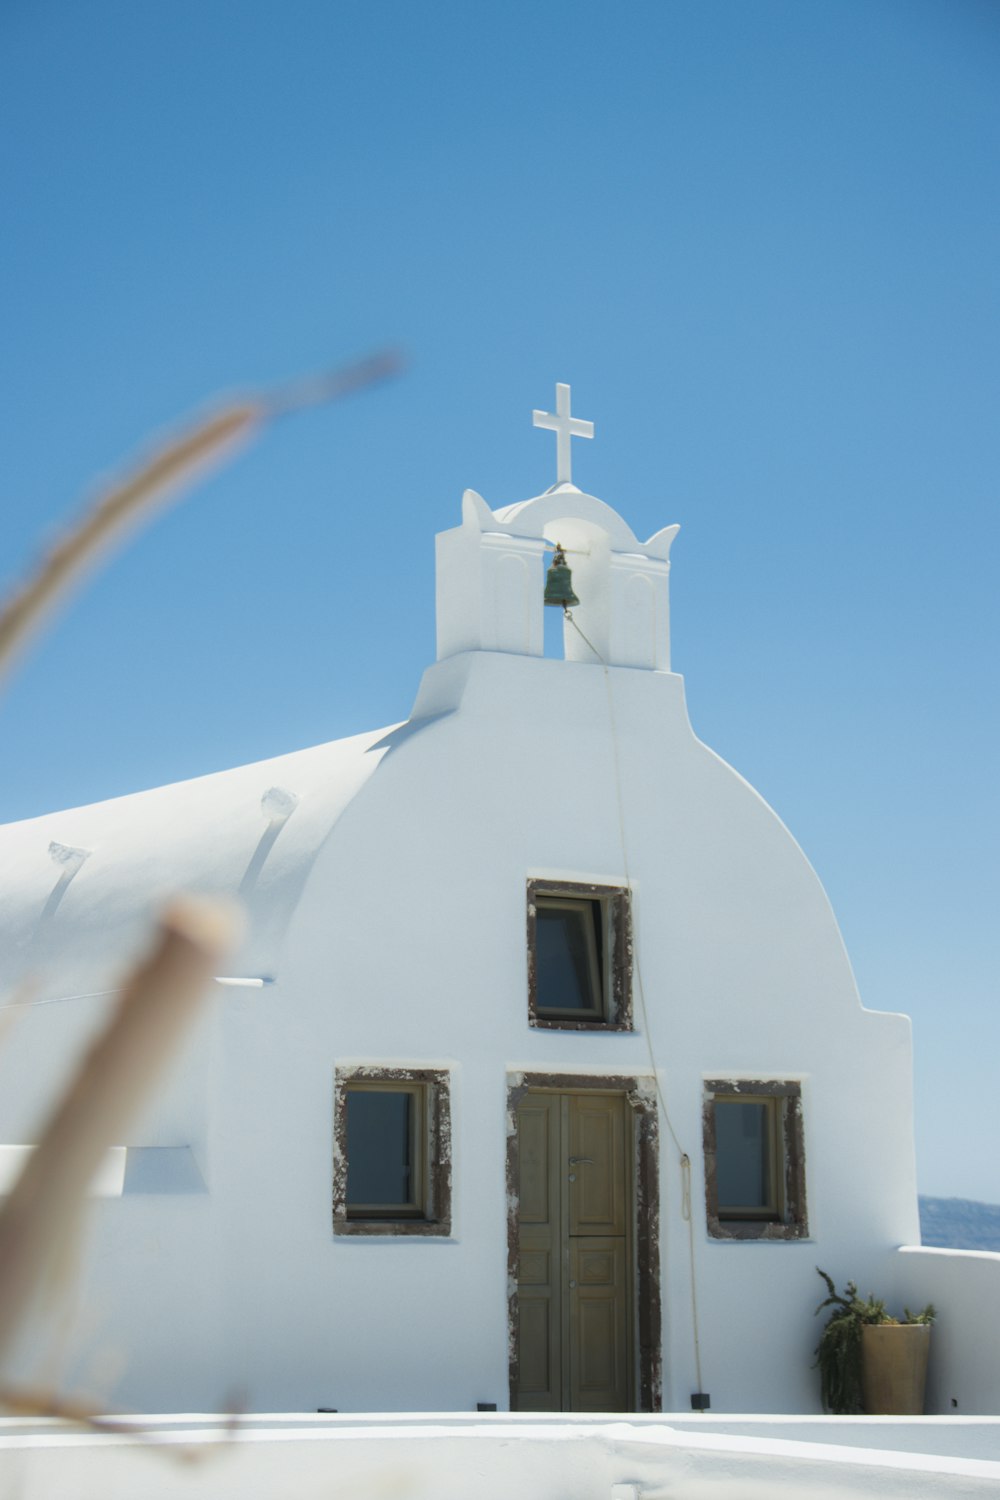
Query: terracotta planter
{"type": "Point", "coordinates": [894, 1368]}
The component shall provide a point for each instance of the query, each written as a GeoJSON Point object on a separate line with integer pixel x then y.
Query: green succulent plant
{"type": "Point", "coordinates": [838, 1353]}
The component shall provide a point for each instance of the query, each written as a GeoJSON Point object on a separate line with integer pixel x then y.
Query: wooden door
{"type": "Point", "coordinates": [574, 1260]}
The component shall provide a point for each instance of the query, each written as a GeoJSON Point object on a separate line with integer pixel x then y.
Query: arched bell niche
{"type": "Point", "coordinates": [587, 632]}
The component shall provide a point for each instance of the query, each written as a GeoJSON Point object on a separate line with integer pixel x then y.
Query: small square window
{"type": "Point", "coordinates": [754, 1160]}
{"type": "Point", "coordinates": [385, 1150]}
{"type": "Point", "coordinates": [747, 1171]}
{"type": "Point", "coordinates": [579, 956]}
{"type": "Point", "coordinates": [392, 1144]}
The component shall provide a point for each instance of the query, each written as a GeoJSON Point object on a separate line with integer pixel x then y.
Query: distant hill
{"type": "Point", "coordinates": [960, 1224]}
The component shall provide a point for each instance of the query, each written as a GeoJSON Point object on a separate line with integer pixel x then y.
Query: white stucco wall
{"type": "Point", "coordinates": [408, 947]}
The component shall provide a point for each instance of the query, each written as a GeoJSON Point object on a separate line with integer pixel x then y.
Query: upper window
{"type": "Point", "coordinates": [392, 1165]}
{"type": "Point", "coordinates": [754, 1160]}
{"type": "Point", "coordinates": [579, 956]}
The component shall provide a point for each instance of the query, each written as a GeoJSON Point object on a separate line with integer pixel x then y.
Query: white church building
{"type": "Point", "coordinates": [540, 1082]}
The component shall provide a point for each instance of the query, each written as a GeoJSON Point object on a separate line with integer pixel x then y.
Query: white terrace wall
{"type": "Point", "coordinates": [963, 1373]}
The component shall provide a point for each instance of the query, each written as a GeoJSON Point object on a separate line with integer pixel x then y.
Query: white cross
{"type": "Point", "coordinates": [565, 427]}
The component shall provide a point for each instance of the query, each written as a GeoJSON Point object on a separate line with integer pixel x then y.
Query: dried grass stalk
{"type": "Point", "coordinates": [167, 473]}
{"type": "Point", "coordinates": [163, 993]}
{"type": "Point", "coordinates": [77, 1411]}
{"type": "Point", "coordinates": [179, 462]}
{"type": "Point", "coordinates": [159, 1000]}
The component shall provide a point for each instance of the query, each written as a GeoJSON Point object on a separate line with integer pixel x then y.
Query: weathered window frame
{"type": "Point", "coordinates": [430, 1212]}
{"type": "Point", "coordinates": [615, 908]}
{"type": "Point", "coordinates": [787, 1219]}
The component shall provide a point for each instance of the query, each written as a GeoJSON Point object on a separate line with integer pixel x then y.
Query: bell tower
{"type": "Point", "coordinates": [491, 572]}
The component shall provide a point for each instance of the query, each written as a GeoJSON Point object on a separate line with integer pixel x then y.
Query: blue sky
{"type": "Point", "coordinates": [761, 242]}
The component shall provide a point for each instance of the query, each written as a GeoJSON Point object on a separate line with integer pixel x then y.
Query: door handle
{"type": "Point", "coordinates": [574, 1159]}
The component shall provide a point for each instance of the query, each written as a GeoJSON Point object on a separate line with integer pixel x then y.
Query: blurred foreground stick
{"type": "Point", "coordinates": [157, 1005]}
{"type": "Point", "coordinates": [163, 994]}
{"type": "Point", "coordinates": [164, 474]}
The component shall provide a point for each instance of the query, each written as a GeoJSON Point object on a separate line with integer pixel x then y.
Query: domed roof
{"type": "Point", "coordinates": [77, 888]}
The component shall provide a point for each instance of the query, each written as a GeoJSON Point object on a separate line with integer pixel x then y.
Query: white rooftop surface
{"type": "Point", "coordinates": [421, 1456]}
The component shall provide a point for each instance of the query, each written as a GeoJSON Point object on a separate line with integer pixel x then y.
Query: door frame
{"type": "Point", "coordinates": [640, 1095]}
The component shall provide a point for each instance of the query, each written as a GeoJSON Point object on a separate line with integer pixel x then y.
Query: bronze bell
{"type": "Point", "coordinates": [559, 582]}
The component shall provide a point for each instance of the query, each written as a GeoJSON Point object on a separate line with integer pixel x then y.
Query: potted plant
{"type": "Point", "coordinates": [868, 1360]}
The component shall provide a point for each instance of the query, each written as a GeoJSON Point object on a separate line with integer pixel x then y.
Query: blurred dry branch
{"type": "Point", "coordinates": [170, 469]}
{"type": "Point", "coordinates": [75, 1411]}
{"type": "Point", "coordinates": [163, 993]}
{"type": "Point", "coordinates": [155, 1009]}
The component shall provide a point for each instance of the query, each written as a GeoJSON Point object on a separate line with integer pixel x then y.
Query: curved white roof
{"type": "Point", "coordinates": [78, 888]}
